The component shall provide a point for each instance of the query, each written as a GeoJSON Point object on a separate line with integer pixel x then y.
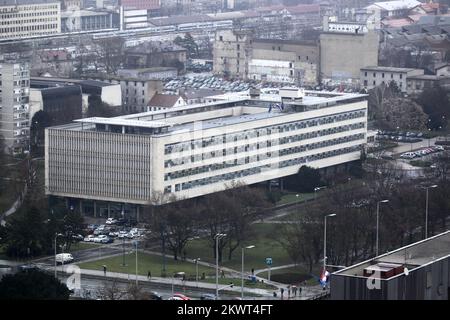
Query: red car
{"type": "Point", "coordinates": [179, 296]}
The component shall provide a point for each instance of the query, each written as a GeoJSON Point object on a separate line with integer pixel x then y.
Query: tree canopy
{"type": "Point", "coordinates": [32, 284]}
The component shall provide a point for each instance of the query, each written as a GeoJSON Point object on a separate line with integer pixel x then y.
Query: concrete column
{"type": "Point", "coordinates": [95, 209]}
{"type": "Point", "coordinates": [109, 210]}
{"type": "Point", "coordinates": [137, 213]}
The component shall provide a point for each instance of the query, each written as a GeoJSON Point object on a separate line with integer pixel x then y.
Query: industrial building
{"type": "Point", "coordinates": [419, 271]}
{"type": "Point", "coordinates": [193, 150]}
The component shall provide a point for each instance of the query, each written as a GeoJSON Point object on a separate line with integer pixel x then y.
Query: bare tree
{"type": "Point", "coordinates": [110, 290]}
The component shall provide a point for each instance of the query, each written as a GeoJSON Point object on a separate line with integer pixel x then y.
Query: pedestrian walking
{"type": "Point", "coordinates": [289, 291]}
{"type": "Point", "coordinates": [294, 290]}
{"type": "Point", "coordinates": [282, 293]}
{"type": "Point", "coordinates": [223, 274]}
{"type": "Point", "coordinates": [299, 291]}
{"type": "Point", "coordinates": [149, 275]}
{"type": "Point", "coordinates": [253, 271]}
{"type": "Point", "coordinates": [104, 270]}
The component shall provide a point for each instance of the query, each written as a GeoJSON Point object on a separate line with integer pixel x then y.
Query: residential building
{"type": "Point", "coordinates": [156, 54]}
{"type": "Point", "coordinates": [29, 18]}
{"type": "Point", "coordinates": [165, 101]}
{"type": "Point", "coordinates": [419, 271]}
{"type": "Point", "coordinates": [416, 84]}
{"type": "Point", "coordinates": [14, 106]}
{"type": "Point", "coordinates": [232, 52]}
{"type": "Point", "coordinates": [372, 77]}
{"type": "Point", "coordinates": [155, 73]}
{"type": "Point", "coordinates": [196, 96]}
{"type": "Point", "coordinates": [136, 92]}
{"type": "Point", "coordinates": [199, 149]}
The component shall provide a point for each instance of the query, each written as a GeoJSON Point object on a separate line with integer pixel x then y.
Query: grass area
{"type": "Point", "coordinates": [146, 262]}
{"type": "Point", "coordinates": [292, 198]}
{"type": "Point", "coordinates": [260, 235]}
{"type": "Point", "coordinates": [293, 275]}
{"type": "Point", "coordinates": [420, 163]}
{"type": "Point", "coordinates": [78, 246]}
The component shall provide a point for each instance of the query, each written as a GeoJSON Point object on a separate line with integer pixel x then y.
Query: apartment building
{"type": "Point", "coordinates": [29, 18]}
{"type": "Point", "coordinates": [372, 77]}
{"type": "Point", "coordinates": [199, 149]}
{"type": "Point", "coordinates": [14, 106]}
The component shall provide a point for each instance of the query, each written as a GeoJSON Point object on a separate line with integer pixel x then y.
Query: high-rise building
{"type": "Point", "coordinates": [142, 4]}
{"type": "Point", "coordinates": [14, 107]}
{"type": "Point", "coordinates": [29, 18]}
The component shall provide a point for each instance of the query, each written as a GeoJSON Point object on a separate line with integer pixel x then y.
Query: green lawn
{"type": "Point", "coordinates": [261, 236]}
{"type": "Point", "coordinates": [292, 197]}
{"type": "Point", "coordinates": [146, 262]}
{"type": "Point", "coordinates": [293, 275]}
{"type": "Point", "coordinates": [78, 246]}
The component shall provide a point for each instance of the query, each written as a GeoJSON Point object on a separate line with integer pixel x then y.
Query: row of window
{"type": "Point", "coordinates": [382, 75]}
{"type": "Point", "coordinates": [258, 170]}
{"type": "Point", "coordinates": [261, 157]}
{"type": "Point", "coordinates": [260, 145]}
{"type": "Point", "coordinates": [248, 134]}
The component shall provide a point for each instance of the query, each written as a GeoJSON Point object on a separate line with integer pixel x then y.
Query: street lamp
{"type": "Point", "coordinates": [136, 242]}
{"type": "Point", "coordinates": [242, 274]}
{"type": "Point", "coordinates": [56, 237]}
{"type": "Point", "coordinates": [318, 189]}
{"type": "Point", "coordinates": [378, 223]}
{"type": "Point", "coordinates": [426, 210]}
{"type": "Point", "coordinates": [217, 237]}
{"type": "Point", "coordinates": [196, 270]}
{"type": "Point", "coordinates": [325, 240]}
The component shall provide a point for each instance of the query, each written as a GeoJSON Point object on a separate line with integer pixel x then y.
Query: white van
{"type": "Point", "coordinates": [64, 258]}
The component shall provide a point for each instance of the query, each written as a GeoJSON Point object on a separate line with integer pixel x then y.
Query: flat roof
{"type": "Point", "coordinates": [414, 256]}
{"type": "Point", "coordinates": [124, 122]}
{"type": "Point", "coordinates": [389, 69]}
{"type": "Point", "coordinates": [93, 83]}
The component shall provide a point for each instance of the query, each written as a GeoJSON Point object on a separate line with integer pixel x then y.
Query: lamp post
{"type": "Point", "coordinates": [378, 224]}
{"type": "Point", "coordinates": [196, 270]}
{"type": "Point", "coordinates": [136, 242]}
{"type": "Point", "coordinates": [56, 237]}
{"type": "Point", "coordinates": [426, 209]}
{"type": "Point", "coordinates": [242, 274]}
{"type": "Point", "coordinates": [217, 238]}
{"type": "Point", "coordinates": [318, 189]}
{"type": "Point", "coordinates": [325, 240]}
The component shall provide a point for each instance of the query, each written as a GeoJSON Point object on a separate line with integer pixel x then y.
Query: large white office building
{"type": "Point", "coordinates": [198, 149]}
{"type": "Point", "coordinates": [29, 18]}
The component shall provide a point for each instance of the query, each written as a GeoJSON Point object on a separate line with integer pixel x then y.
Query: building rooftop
{"type": "Point", "coordinates": [163, 100]}
{"type": "Point", "coordinates": [388, 69]}
{"type": "Point", "coordinates": [241, 108]}
{"type": "Point", "coordinates": [397, 5]}
{"type": "Point", "coordinates": [82, 13]}
{"type": "Point", "coordinates": [24, 2]}
{"type": "Point", "coordinates": [413, 256]}
{"type": "Point", "coordinates": [91, 83]}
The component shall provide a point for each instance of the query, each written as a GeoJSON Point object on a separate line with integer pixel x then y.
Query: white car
{"type": "Point", "coordinates": [89, 238]}
{"type": "Point", "coordinates": [122, 234]}
{"type": "Point", "coordinates": [63, 258]}
{"type": "Point", "coordinates": [111, 221]}
{"type": "Point", "coordinates": [100, 238]}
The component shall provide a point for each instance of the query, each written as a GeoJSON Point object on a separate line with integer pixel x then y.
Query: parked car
{"type": "Point", "coordinates": [111, 221]}
{"type": "Point", "coordinates": [122, 234]}
{"type": "Point", "coordinates": [77, 237]}
{"type": "Point", "coordinates": [155, 295]}
{"type": "Point", "coordinates": [64, 258]}
{"type": "Point", "coordinates": [89, 238]}
{"type": "Point", "coordinates": [208, 296]}
{"type": "Point", "coordinates": [180, 296]}
{"type": "Point", "coordinates": [103, 239]}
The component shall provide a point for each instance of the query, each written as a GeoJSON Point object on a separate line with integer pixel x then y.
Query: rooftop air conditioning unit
{"type": "Point", "coordinates": [292, 93]}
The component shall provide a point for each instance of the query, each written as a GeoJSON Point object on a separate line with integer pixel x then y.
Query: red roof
{"type": "Point", "coordinates": [163, 100]}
